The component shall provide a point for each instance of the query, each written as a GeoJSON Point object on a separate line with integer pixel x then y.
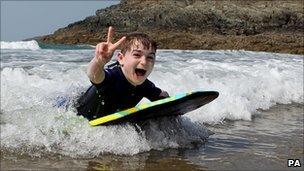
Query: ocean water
{"type": "Point", "coordinates": [255, 123]}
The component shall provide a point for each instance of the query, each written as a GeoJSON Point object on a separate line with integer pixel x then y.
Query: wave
{"type": "Point", "coordinates": [30, 45]}
{"type": "Point", "coordinates": [45, 128]}
{"type": "Point", "coordinates": [34, 45]}
{"type": "Point", "coordinates": [65, 46]}
{"type": "Point", "coordinates": [247, 82]}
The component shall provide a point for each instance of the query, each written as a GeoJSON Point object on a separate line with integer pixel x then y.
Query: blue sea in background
{"type": "Point", "coordinates": [255, 124]}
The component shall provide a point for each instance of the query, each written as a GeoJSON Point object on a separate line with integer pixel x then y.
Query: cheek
{"type": "Point", "coordinates": [129, 68]}
{"type": "Point", "coordinates": [127, 63]}
{"type": "Point", "coordinates": [151, 66]}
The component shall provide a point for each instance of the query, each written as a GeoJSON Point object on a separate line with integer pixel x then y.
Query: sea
{"type": "Point", "coordinates": [256, 123]}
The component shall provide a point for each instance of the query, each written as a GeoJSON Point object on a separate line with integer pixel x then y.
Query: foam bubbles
{"type": "Point", "coordinates": [30, 123]}
{"type": "Point", "coordinates": [31, 45]}
{"type": "Point", "coordinates": [246, 81]}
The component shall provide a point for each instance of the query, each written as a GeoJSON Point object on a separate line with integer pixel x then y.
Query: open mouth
{"type": "Point", "coordinates": [140, 72]}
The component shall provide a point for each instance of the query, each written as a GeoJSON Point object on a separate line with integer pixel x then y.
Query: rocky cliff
{"type": "Point", "coordinates": [275, 26]}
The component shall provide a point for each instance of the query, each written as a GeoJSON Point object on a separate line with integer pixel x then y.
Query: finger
{"type": "Point", "coordinates": [97, 49]}
{"type": "Point", "coordinates": [110, 34]}
{"type": "Point", "coordinates": [119, 42]}
{"type": "Point", "coordinates": [100, 47]}
{"type": "Point", "coordinates": [104, 48]}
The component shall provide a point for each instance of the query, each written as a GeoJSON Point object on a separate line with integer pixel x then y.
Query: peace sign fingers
{"type": "Point", "coordinates": [110, 37]}
{"type": "Point", "coordinates": [110, 34]}
{"type": "Point", "coordinates": [119, 42]}
{"type": "Point", "coordinates": [104, 50]}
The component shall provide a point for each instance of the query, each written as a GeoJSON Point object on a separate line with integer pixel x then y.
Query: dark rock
{"type": "Point", "coordinates": [195, 24]}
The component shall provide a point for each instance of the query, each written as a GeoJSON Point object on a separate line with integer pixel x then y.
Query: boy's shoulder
{"type": "Point", "coordinates": [114, 73]}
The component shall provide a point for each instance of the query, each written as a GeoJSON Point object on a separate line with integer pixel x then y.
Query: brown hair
{"type": "Point", "coordinates": [144, 39]}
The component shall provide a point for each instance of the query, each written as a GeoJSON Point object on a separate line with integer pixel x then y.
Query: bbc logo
{"type": "Point", "coordinates": [293, 163]}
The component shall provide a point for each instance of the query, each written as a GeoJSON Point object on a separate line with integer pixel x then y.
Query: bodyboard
{"type": "Point", "coordinates": [174, 105]}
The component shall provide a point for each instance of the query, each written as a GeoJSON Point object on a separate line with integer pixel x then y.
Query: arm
{"type": "Point", "coordinates": [95, 71]}
{"type": "Point", "coordinates": [103, 54]}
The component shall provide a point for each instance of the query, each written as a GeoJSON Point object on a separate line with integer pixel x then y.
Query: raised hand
{"type": "Point", "coordinates": [104, 50]}
{"type": "Point", "coordinates": [103, 54]}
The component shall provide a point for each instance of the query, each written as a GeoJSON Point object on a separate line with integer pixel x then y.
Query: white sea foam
{"type": "Point", "coordinates": [246, 81]}
{"type": "Point", "coordinates": [31, 45]}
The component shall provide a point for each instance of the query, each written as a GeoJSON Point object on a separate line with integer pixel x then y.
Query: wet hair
{"type": "Point", "coordinates": [142, 38]}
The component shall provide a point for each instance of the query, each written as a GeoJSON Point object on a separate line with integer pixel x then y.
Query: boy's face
{"type": "Point", "coordinates": [138, 63]}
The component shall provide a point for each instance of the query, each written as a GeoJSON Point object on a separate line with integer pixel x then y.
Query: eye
{"type": "Point", "coordinates": [136, 55]}
{"type": "Point", "coordinates": [150, 58]}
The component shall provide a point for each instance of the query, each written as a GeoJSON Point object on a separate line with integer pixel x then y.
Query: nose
{"type": "Point", "coordinates": [143, 60]}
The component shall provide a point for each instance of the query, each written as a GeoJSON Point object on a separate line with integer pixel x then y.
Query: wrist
{"type": "Point", "coordinates": [99, 62]}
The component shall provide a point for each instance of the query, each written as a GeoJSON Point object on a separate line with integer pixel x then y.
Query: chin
{"type": "Point", "coordinates": [137, 82]}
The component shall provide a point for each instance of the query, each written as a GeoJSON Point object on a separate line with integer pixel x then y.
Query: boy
{"type": "Point", "coordinates": [122, 86]}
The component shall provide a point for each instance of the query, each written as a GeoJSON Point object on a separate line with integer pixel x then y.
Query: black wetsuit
{"type": "Point", "coordinates": [115, 93]}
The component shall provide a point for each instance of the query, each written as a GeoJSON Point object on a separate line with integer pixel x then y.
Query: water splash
{"type": "Point", "coordinates": [30, 45]}
{"type": "Point", "coordinates": [247, 81]}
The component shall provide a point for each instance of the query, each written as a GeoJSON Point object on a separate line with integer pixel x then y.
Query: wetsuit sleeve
{"type": "Point", "coordinates": [151, 91]}
{"type": "Point", "coordinates": [89, 104]}
{"type": "Point", "coordinates": [106, 80]}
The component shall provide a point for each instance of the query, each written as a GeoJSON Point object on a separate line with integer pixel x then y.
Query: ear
{"type": "Point", "coordinates": [120, 58]}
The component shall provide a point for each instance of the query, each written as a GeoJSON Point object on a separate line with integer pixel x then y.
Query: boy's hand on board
{"type": "Point", "coordinates": [104, 50]}
{"type": "Point", "coordinates": [164, 94]}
